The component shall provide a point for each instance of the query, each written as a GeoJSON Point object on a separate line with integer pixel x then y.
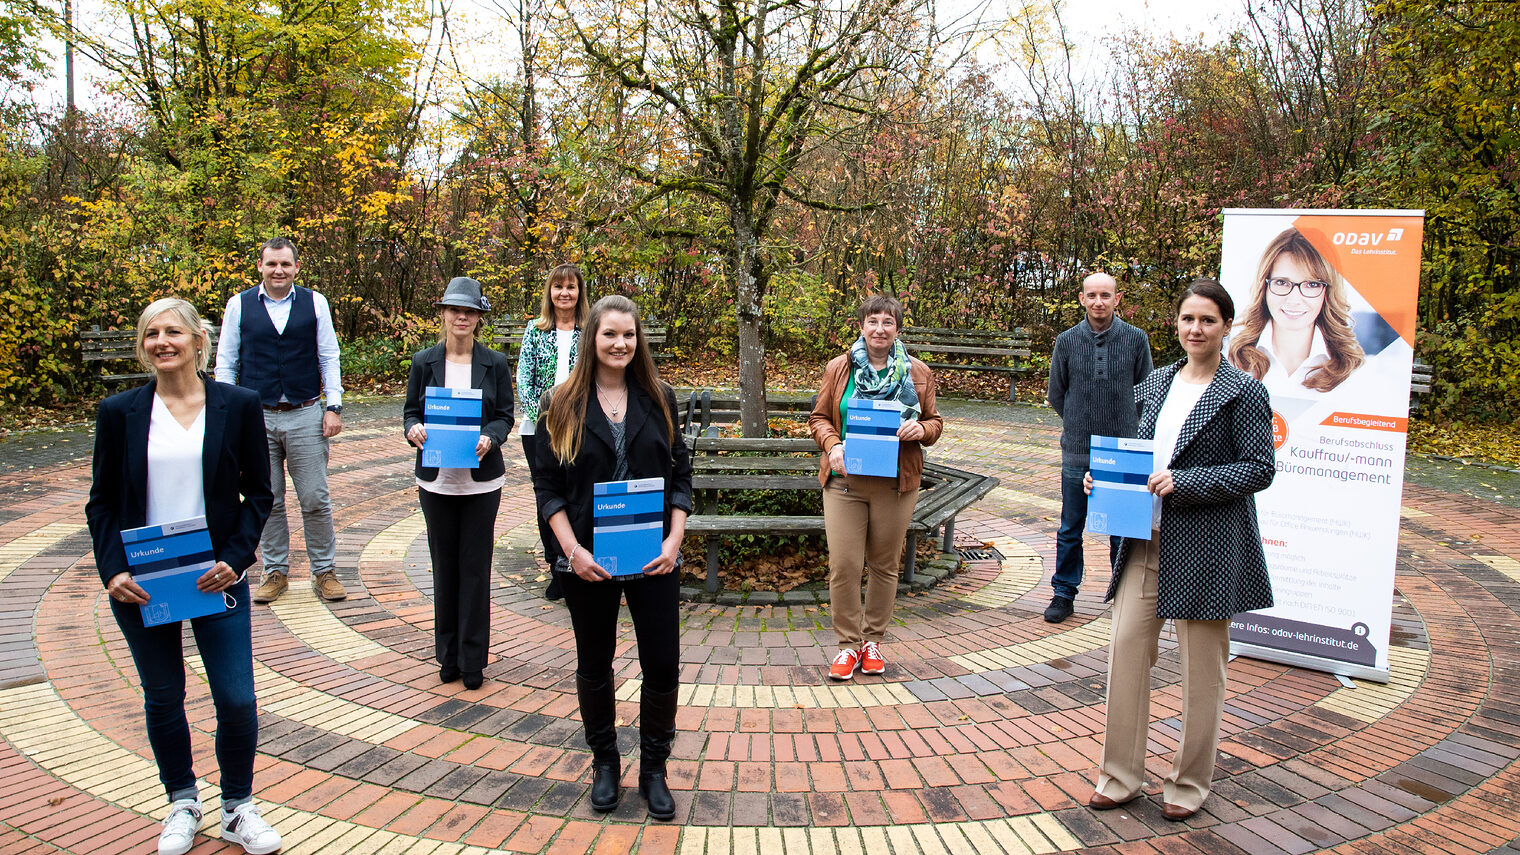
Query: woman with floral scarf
{"type": "Point", "coordinates": [548, 352]}
{"type": "Point", "coordinates": [866, 517]}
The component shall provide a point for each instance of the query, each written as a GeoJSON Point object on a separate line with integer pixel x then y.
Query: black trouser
{"type": "Point", "coordinates": [460, 532]}
{"type": "Point", "coordinates": [593, 613]}
{"type": "Point", "coordinates": [545, 534]}
{"type": "Point", "coordinates": [656, 623]}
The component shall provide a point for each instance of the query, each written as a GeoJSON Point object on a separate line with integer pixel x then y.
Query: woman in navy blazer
{"type": "Point", "coordinates": [151, 444]}
{"type": "Point", "coordinates": [460, 504]}
{"type": "Point", "coordinates": [1203, 564]}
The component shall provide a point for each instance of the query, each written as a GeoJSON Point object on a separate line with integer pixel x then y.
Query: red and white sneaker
{"type": "Point", "coordinates": [870, 658]}
{"type": "Point", "coordinates": [844, 665]}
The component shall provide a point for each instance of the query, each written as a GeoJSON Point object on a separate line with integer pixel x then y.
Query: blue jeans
{"type": "Point", "coordinates": [1068, 576]}
{"type": "Point", "coordinates": [296, 443]}
{"type": "Point", "coordinates": [225, 642]}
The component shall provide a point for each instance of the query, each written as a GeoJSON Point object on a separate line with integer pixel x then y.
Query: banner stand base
{"type": "Point", "coordinates": [1313, 663]}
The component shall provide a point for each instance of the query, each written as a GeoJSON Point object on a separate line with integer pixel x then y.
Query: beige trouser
{"type": "Point", "coordinates": [865, 520]}
{"type": "Point", "coordinates": [1205, 647]}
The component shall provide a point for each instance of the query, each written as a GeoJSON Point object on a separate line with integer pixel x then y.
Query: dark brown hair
{"type": "Point", "coordinates": [1209, 289]}
{"type": "Point", "coordinates": [877, 304]}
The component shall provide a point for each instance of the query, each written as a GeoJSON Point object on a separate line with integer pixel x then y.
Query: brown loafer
{"type": "Point", "coordinates": [274, 585]}
{"type": "Point", "coordinates": [1177, 813]}
{"type": "Point", "coordinates": [1098, 801]}
{"type": "Point", "coordinates": [328, 587]}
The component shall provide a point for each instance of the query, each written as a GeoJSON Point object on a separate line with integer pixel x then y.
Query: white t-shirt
{"type": "Point", "coordinates": [176, 484]}
{"type": "Point", "coordinates": [562, 339]}
{"type": "Point", "coordinates": [458, 482]}
{"type": "Point", "coordinates": [1179, 403]}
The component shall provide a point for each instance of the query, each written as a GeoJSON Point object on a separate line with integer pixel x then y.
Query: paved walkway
{"type": "Point", "coordinates": [981, 737]}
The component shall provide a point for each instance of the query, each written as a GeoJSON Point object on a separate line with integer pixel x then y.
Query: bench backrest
{"type": "Point", "coordinates": [1015, 343]}
{"type": "Point", "coordinates": [507, 334]}
{"type": "Point", "coordinates": [100, 345]}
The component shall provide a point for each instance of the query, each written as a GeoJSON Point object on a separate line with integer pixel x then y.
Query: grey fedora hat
{"type": "Point", "coordinates": [465, 293]}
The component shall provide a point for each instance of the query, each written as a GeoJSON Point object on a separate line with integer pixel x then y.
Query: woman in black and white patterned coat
{"type": "Point", "coordinates": [1212, 423]}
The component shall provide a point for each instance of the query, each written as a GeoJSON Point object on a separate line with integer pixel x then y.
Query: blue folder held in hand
{"type": "Point", "coordinates": [452, 418]}
{"type": "Point", "coordinates": [1120, 504]}
{"type": "Point", "coordinates": [870, 437]}
{"type": "Point", "coordinates": [166, 560]}
{"type": "Point", "coordinates": [628, 524]}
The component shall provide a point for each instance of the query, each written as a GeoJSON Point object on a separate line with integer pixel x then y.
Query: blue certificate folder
{"type": "Point", "coordinates": [165, 561]}
{"type": "Point", "coordinates": [870, 437]}
{"type": "Point", "coordinates": [1120, 504]}
{"type": "Point", "coordinates": [627, 524]}
{"type": "Point", "coordinates": [452, 417]}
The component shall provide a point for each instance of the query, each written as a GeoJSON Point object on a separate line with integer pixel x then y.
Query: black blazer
{"type": "Point", "coordinates": [234, 464]}
{"type": "Point", "coordinates": [1212, 564]}
{"type": "Point", "coordinates": [488, 373]}
{"type": "Point", "coordinates": [650, 454]}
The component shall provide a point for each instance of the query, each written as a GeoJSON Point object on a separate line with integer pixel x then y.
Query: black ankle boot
{"type": "Point", "coordinates": [657, 729]}
{"type": "Point", "coordinates": [599, 715]}
{"type": "Point", "coordinates": [654, 790]}
{"type": "Point", "coordinates": [606, 785]}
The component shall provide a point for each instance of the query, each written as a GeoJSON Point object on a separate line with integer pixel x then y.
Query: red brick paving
{"type": "Point", "coordinates": [1437, 774]}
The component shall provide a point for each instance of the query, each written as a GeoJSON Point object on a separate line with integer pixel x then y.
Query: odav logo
{"type": "Point", "coordinates": [1367, 238]}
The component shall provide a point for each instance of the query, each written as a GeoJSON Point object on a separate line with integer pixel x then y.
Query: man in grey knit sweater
{"type": "Point", "coordinates": [1094, 369]}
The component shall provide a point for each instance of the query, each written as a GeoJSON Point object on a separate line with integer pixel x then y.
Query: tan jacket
{"type": "Point", "coordinates": [824, 420]}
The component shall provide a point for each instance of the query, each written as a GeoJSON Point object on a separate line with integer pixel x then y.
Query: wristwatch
{"type": "Point", "coordinates": [336, 408]}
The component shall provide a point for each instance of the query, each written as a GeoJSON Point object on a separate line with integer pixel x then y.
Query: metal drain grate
{"type": "Point", "coordinates": [980, 554]}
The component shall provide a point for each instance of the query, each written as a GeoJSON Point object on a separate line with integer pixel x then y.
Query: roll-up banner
{"type": "Point", "coordinates": [1325, 307]}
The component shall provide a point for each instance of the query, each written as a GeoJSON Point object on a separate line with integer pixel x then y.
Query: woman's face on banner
{"type": "Point", "coordinates": [1293, 311]}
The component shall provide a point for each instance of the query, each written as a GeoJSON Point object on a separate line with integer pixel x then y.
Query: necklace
{"type": "Point", "coordinates": [614, 408]}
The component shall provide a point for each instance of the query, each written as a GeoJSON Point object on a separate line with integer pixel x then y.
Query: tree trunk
{"type": "Point", "coordinates": [749, 291]}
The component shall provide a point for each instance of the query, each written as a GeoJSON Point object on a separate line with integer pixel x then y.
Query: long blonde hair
{"type": "Point", "coordinates": [546, 319]}
{"type": "Point", "coordinates": [1334, 321]}
{"type": "Point", "coordinates": [188, 317]}
{"type": "Point", "coordinates": [566, 416]}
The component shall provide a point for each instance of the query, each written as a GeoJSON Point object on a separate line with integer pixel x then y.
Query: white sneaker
{"type": "Point", "coordinates": [178, 834]}
{"type": "Point", "coordinates": [246, 828]}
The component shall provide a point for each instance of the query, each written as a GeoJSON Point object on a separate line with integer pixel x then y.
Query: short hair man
{"type": "Point", "coordinates": [1094, 369]}
{"type": "Point", "coordinates": [278, 339]}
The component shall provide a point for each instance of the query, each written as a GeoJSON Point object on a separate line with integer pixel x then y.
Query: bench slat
{"type": "Point", "coordinates": [970, 351]}
{"type": "Point", "coordinates": [754, 482]}
{"type": "Point", "coordinates": [704, 463]}
{"type": "Point", "coordinates": [705, 524]}
{"type": "Point", "coordinates": [766, 446]}
{"type": "Point", "coordinates": [957, 366]}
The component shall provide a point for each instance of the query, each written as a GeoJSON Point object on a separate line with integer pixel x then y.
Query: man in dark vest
{"type": "Point", "coordinates": [278, 340]}
{"type": "Point", "coordinates": [1094, 370]}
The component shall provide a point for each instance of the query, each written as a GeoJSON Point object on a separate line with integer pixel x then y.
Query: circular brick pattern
{"type": "Point", "coordinates": [982, 735]}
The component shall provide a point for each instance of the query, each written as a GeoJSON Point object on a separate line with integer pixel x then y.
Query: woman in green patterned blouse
{"type": "Point", "coordinates": [548, 352]}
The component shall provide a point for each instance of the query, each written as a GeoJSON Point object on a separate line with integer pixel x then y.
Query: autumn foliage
{"type": "Point", "coordinates": [977, 185]}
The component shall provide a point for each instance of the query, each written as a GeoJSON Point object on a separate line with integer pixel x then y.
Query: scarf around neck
{"type": "Point", "coordinates": [894, 383]}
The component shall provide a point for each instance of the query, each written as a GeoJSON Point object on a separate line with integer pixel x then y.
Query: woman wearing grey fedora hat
{"type": "Point", "coordinates": [460, 503]}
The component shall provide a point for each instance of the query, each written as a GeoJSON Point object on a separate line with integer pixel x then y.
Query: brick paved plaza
{"type": "Point", "coordinates": [981, 737]}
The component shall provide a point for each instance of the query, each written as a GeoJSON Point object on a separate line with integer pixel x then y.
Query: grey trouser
{"type": "Point", "coordinates": [296, 443]}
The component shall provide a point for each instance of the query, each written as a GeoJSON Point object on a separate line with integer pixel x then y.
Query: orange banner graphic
{"type": "Point", "coordinates": [1378, 255]}
{"type": "Point", "coordinates": [1393, 424]}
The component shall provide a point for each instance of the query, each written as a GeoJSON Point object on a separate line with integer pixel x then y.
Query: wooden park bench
{"type": "Point", "coordinates": [1420, 378]}
{"type": "Point", "coordinates": [996, 351]}
{"type": "Point", "coordinates": [704, 409]}
{"type": "Point", "coordinates": [117, 345]}
{"type": "Point", "coordinates": [792, 464]}
{"type": "Point", "coordinates": [508, 333]}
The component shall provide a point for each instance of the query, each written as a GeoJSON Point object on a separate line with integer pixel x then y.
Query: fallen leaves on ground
{"type": "Point", "coordinates": [785, 569]}
{"type": "Point", "coordinates": [1492, 442]}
